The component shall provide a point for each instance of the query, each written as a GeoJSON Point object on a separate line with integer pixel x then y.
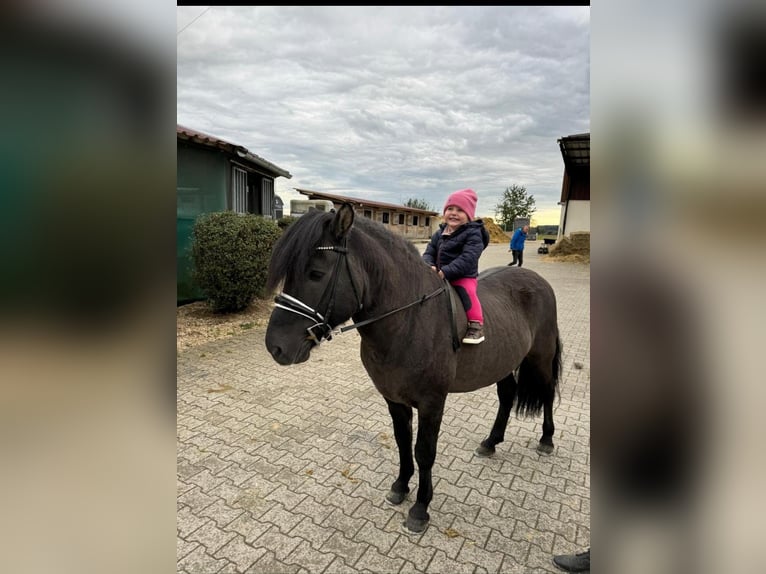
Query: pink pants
{"type": "Point", "coordinates": [469, 284]}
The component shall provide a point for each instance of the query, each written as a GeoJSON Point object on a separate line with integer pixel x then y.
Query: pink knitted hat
{"type": "Point", "coordinates": [465, 199]}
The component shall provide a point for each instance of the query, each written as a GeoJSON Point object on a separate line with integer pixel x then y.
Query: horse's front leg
{"type": "Point", "coordinates": [429, 422]}
{"type": "Point", "coordinates": [401, 415]}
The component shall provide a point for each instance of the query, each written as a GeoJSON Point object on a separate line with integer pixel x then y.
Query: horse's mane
{"type": "Point", "coordinates": [299, 240]}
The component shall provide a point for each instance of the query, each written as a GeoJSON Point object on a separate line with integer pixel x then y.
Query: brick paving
{"type": "Point", "coordinates": [285, 469]}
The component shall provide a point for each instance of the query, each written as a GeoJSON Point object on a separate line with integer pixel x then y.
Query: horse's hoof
{"type": "Point", "coordinates": [484, 451]}
{"type": "Point", "coordinates": [543, 448]}
{"type": "Point", "coordinates": [415, 525]}
{"type": "Point", "coordinates": [395, 498]}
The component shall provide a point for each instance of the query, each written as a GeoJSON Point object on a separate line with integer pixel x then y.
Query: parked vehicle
{"type": "Point", "coordinates": [543, 249]}
{"type": "Point", "coordinates": [300, 207]}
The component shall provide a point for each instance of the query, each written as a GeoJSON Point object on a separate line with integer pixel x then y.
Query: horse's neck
{"type": "Point", "coordinates": [404, 280]}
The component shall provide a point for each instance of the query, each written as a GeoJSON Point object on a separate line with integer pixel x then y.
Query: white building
{"type": "Point", "coordinates": [575, 188]}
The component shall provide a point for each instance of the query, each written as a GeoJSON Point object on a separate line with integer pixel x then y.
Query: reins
{"type": "Point", "coordinates": [422, 300]}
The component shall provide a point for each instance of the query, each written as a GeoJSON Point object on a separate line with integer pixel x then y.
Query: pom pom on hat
{"type": "Point", "coordinates": [465, 199]}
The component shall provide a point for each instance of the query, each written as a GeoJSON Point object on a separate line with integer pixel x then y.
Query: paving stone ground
{"type": "Point", "coordinates": [285, 469]}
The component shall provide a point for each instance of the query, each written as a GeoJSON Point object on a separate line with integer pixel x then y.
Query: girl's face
{"type": "Point", "coordinates": [454, 216]}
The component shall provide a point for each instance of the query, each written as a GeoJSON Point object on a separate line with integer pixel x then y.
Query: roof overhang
{"type": "Point", "coordinates": [575, 150]}
{"type": "Point", "coordinates": [360, 202]}
{"type": "Point", "coordinates": [245, 155]}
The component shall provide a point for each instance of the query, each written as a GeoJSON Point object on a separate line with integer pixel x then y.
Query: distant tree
{"type": "Point", "coordinates": [418, 204]}
{"type": "Point", "coordinates": [515, 203]}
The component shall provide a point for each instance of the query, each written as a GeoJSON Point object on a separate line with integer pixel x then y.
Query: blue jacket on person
{"type": "Point", "coordinates": [457, 255]}
{"type": "Point", "coordinates": [517, 241]}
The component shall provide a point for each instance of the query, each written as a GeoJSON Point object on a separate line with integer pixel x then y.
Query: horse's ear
{"type": "Point", "coordinates": [344, 219]}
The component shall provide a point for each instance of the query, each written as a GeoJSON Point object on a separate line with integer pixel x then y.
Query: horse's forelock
{"type": "Point", "coordinates": [296, 245]}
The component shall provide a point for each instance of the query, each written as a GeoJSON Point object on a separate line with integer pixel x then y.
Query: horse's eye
{"type": "Point", "coordinates": [315, 275]}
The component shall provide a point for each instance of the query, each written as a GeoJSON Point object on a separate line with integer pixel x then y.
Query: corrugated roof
{"type": "Point", "coordinates": [575, 149]}
{"type": "Point", "coordinates": [360, 201]}
{"type": "Point", "coordinates": [201, 138]}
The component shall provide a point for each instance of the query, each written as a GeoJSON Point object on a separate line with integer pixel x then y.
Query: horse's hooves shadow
{"type": "Point", "coordinates": [544, 448]}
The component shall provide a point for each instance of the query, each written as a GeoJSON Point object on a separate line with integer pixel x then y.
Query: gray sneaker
{"type": "Point", "coordinates": [475, 333]}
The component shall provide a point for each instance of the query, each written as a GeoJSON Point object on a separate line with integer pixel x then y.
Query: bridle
{"type": "Point", "coordinates": [321, 329]}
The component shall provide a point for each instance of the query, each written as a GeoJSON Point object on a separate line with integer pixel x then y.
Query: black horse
{"type": "Point", "coordinates": [334, 268]}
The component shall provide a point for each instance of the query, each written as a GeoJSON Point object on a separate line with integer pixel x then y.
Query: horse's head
{"type": "Point", "coordinates": [319, 290]}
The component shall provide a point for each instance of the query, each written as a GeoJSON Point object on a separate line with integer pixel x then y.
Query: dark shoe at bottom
{"type": "Point", "coordinates": [573, 562]}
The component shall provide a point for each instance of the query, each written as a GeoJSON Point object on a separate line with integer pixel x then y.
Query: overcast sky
{"type": "Point", "coordinates": [392, 103]}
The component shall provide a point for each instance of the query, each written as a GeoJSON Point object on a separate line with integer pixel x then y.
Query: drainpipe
{"type": "Point", "coordinates": [564, 223]}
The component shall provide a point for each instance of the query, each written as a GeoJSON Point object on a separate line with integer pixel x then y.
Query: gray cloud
{"type": "Point", "coordinates": [392, 102]}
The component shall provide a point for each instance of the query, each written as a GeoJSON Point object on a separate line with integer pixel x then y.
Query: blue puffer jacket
{"type": "Point", "coordinates": [457, 255]}
{"type": "Point", "coordinates": [517, 241]}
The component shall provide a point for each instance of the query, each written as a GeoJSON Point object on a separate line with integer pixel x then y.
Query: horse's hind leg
{"type": "Point", "coordinates": [401, 415]}
{"type": "Point", "coordinates": [552, 378]}
{"type": "Point", "coordinates": [536, 391]}
{"type": "Point", "coordinates": [506, 391]}
{"type": "Point", "coordinates": [545, 445]}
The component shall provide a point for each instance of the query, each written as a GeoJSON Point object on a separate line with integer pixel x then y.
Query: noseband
{"type": "Point", "coordinates": [321, 329]}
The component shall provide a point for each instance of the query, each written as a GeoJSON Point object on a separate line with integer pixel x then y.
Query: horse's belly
{"type": "Point", "coordinates": [479, 366]}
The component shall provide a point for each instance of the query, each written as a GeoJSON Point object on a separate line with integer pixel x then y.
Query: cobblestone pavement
{"type": "Point", "coordinates": [285, 469]}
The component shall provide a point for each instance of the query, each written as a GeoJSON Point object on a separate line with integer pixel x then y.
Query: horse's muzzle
{"type": "Point", "coordinates": [284, 352]}
{"type": "Point", "coordinates": [286, 358]}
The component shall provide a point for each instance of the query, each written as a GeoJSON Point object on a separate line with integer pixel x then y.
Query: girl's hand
{"type": "Point", "coordinates": [441, 274]}
{"type": "Point", "coordinates": [433, 267]}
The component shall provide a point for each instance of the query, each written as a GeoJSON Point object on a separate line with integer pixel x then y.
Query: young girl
{"type": "Point", "coordinates": [454, 253]}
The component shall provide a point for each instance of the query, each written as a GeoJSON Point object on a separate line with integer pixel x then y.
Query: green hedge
{"type": "Point", "coordinates": [231, 254]}
{"type": "Point", "coordinates": [283, 222]}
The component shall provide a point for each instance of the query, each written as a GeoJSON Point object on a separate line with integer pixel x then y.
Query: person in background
{"type": "Point", "coordinates": [517, 245]}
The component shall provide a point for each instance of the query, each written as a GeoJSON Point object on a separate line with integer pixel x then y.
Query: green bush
{"type": "Point", "coordinates": [283, 222]}
{"type": "Point", "coordinates": [231, 254]}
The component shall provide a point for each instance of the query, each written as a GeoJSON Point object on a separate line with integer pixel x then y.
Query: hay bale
{"type": "Point", "coordinates": [496, 233]}
{"type": "Point", "coordinates": [574, 247]}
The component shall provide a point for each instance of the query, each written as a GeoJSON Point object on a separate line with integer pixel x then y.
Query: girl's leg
{"type": "Point", "coordinates": [470, 284]}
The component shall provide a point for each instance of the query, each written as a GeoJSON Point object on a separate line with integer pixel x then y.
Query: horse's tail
{"type": "Point", "coordinates": [538, 383]}
{"type": "Point", "coordinates": [557, 366]}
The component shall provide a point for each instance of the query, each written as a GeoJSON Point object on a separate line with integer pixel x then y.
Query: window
{"type": "Point", "coordinates": [427, 222]}
{"type": "Point", "coordinates": [267, 198]}
{"type": "Point", "coordinates": [239, 190]}
{"type": "Point", "coordinates": [385, 216]}
{"type": "Point", "coordinates": [415, 220]}
{"type": "Point", "coordinates": [367, 213]}
{"type": "Point", "coordinates": [400, 218]}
